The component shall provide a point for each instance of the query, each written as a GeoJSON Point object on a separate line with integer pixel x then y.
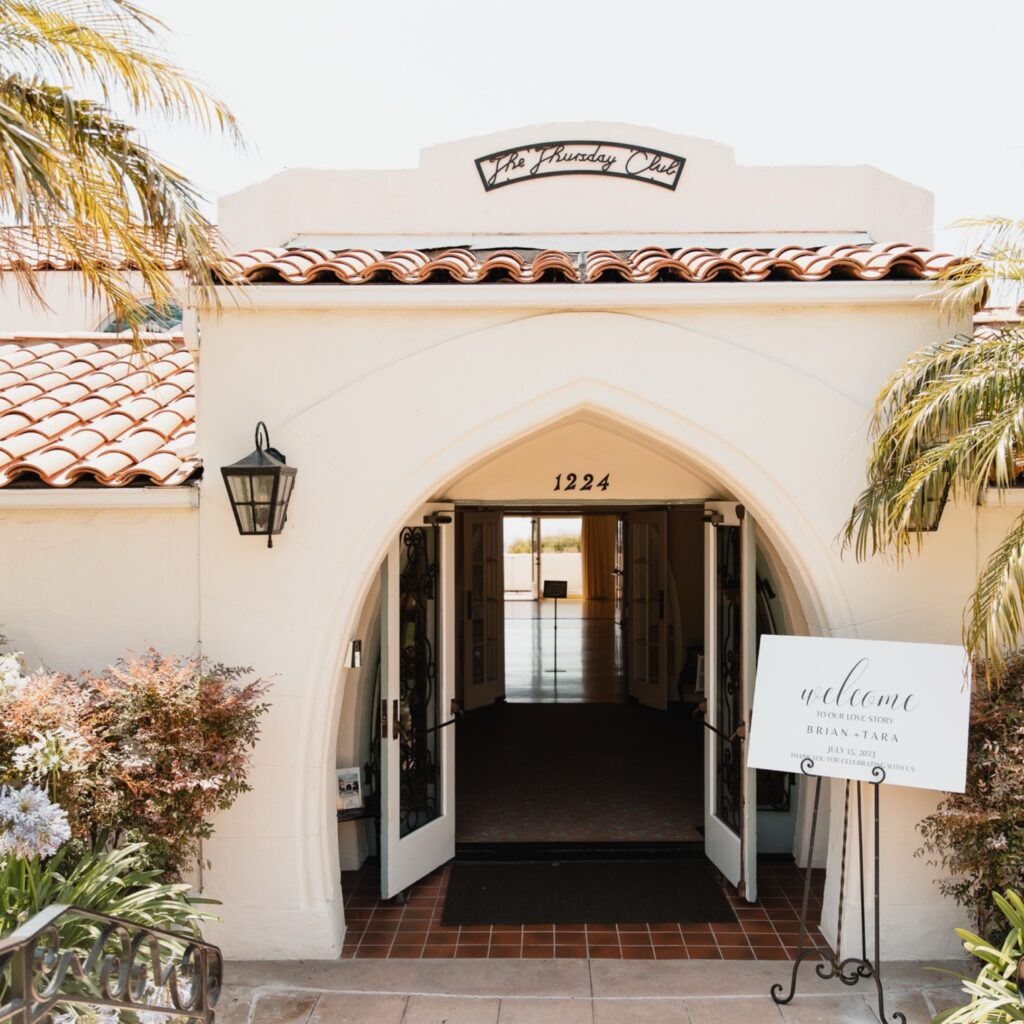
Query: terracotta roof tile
{"type": "Point", "coordinates": [468, 266]}
{"type": "Point", "coordinates": [86, 407]}
{"type": "Point", "coordinates": [33, 249]}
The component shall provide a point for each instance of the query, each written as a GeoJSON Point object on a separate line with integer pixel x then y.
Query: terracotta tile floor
{"type": "Point", "coordinates": [767, 930]}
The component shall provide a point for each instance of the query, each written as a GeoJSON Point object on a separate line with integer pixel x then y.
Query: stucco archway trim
{"type": "Point", "coordinates": [810, 562]}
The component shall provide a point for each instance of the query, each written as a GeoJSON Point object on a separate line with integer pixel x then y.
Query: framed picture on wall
{"type": "Point", "coordinates": [350, 789]}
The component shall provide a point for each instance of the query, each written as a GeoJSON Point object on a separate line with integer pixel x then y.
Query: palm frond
{"type": "Point", "coordinates": [109, 47]}
{"type": "Point", "coordinates": [994, 618]}
{"type": "Point", "coordinates": [85, 183]}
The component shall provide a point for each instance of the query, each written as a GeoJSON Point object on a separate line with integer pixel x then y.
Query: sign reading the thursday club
{"type": "Point", "coordinates": [608, 159]}
{"type": "Point", "coordinates": [852, 705]}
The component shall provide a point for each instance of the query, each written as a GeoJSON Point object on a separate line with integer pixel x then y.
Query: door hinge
{"type": "Point", "coordinates": [384, 718]}
{"type": "Point", "coordinates": [713, 516]}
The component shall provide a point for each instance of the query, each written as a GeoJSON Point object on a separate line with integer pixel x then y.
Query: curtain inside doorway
{"type": "Point", "coordinates": [598, 544]}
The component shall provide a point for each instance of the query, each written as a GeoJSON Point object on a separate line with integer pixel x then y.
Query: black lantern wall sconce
{"type": "Point", "coordinates": [260, 487]}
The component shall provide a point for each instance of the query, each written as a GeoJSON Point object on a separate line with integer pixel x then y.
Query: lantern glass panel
{"type": "Point", "coordinates": [262, 517]}
{"type": "Point", "coordinates": [263, 487]}
{"type": "Point", "coordinates": [238, 486]}
{"type": "Point", "coordinates": [245, 518]}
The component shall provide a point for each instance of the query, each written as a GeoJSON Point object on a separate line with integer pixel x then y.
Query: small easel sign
{"type": "Point", "coordinates": [867, 711]}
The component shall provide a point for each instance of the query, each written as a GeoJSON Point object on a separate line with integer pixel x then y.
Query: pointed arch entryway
{"type": "Point", "coordinates": [692, 428]}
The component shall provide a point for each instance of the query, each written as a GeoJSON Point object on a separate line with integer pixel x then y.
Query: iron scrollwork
{"type": "Point", "coordinates": [418, 677]}
{"type": "Point", "coordinates": [68, 956]}
{"type": "Point", "coordinates": [730, 710]}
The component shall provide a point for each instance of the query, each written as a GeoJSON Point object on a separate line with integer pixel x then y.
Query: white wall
{"type": "Point", "coordinates": [443, 199]}
{"type": "Point", "coordinates": [80, 587]}
{"type": "Point", "coordinates": [387, 395]}
{"type": "Point", "coordinates": [64, 304]}
{"type": "Point", "coordinates": [770, 400]}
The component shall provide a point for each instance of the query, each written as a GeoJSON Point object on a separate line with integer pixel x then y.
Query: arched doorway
{"type": "Point", "coordinates": [668, 511]}
{"type": "Point", "coordinates": [357, 495]}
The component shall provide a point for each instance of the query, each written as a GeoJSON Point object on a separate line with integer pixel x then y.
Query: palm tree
{"type": "Point", "coordinates": [951, 421]}
{"type": "Point", "coordinates": [77, 177]}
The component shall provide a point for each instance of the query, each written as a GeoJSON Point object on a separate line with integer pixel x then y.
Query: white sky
{"type": "Point", "coordinates": [924, 89]}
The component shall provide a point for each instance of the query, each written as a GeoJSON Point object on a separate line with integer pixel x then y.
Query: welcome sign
{"type": "Point", "coordinates": [850, 705]}
{"type": "Point", "coordinates": [607, 159]}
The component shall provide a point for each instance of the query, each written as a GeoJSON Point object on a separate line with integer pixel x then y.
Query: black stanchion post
{"type": "Point", "coordinates": [554, 589]}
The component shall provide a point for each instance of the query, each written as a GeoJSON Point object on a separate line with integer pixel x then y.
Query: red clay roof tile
{"type": "Point", "coordinates": [86, 407]}
{"type": "Point", "coordinates": [695, 264]}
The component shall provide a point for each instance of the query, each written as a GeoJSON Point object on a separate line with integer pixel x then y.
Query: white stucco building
{"type": "Point", "coordinates": [656, 321]}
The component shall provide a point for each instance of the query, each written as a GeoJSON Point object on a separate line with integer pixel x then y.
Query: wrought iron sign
{"type": "Point", "coordinates": [66, 956]}
{"type": "Point", "coordinates": [608, 159]}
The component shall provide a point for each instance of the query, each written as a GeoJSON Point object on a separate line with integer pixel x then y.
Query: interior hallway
{"type": "Point", "coordinates": [578, 773]}
{"type": "Point", "coordinates": [590, 653]}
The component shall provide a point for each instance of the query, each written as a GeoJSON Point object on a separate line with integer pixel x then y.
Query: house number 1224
{"type": "Point", "coordinates": [573, 482]}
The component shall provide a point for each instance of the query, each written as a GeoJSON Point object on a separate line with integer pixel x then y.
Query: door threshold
{"type": "Point", "coordinates": [567, 851]}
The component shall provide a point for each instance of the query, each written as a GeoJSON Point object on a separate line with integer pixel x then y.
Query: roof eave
{"type": "Point", "coordinates": [592, 297]}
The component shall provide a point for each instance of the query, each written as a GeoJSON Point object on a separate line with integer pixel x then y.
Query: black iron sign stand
{"type": "Point", "coordinates": [850, 970]}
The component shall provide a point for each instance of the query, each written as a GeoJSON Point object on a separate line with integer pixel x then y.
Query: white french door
{"type": "Point", "coordinates": [646, 582]}
{"type": "Point", "coordinates": [730, 620]}
{"type": "Point", "coordinates": [483, 597]}
{"type": "Point", "coordinates": [417, 826]}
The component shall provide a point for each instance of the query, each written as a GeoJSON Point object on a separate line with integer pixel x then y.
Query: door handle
{"type": "Point", "coordinates": [661, 604]}
{"type": "Point", "coordinates": [394, 720]}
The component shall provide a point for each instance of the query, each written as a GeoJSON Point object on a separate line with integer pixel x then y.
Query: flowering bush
{"type": "Point", "coordinates": [978, 835]}
{"type": "Point", "coordinates": [148, 751]}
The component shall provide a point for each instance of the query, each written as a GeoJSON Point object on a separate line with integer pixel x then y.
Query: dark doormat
{"type": "Point", "coordinates": [584, 892]}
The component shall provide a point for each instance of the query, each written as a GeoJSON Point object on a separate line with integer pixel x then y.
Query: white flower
{"type": "Point", "coordinates": [60, 750]}
{"type": "Point", "coordinates": [12, 672]}
{"type": "Point", "coordinates": [88, 1015]}
{"type": "Point", "coordinates": [162, 997]}
{"type": "Point", "coordinates": [30, 825]}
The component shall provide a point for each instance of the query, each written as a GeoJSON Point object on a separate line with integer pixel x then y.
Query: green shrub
{"type": "Point", "coordinates": [107, 881]}
{"type": "Point", "coordinates": [978, 835]}
{"type": "Point", "coordinates": [994, 997]}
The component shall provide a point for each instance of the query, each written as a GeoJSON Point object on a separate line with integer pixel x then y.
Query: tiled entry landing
{"type": "Point", "coordinates": [767, 930]}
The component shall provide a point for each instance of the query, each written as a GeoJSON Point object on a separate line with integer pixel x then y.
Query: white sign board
{"type": "Point", "coordinates": [850, 705]}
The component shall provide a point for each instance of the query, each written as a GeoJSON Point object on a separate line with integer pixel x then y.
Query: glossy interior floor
{"type": "Point", "coordinates": [766, 930]}
{"type": "Point", "coordinates": [542, 773]}
{"type": "Point", "coordinates": [590, 653]}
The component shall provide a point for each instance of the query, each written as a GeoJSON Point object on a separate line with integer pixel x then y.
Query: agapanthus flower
{"type": "Point", "coordinates": [59, 750]}
{"type": "Point", "coordinates": [162, 997]}
{"type": "Point", "coordinates": [12, 672]}
{"type": "Point", "coordinates": [89, 1015]}
{"type": "Point", "coordinates": [31, 825]}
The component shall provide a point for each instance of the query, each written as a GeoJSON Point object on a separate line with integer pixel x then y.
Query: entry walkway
{"type": "Point", "coordinates": [562, 992]}
{"type": "Point", "coordinates": [767, 930]}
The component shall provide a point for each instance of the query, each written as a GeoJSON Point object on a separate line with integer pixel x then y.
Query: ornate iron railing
{"type": "Point", "coordinates": [67, 956]}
